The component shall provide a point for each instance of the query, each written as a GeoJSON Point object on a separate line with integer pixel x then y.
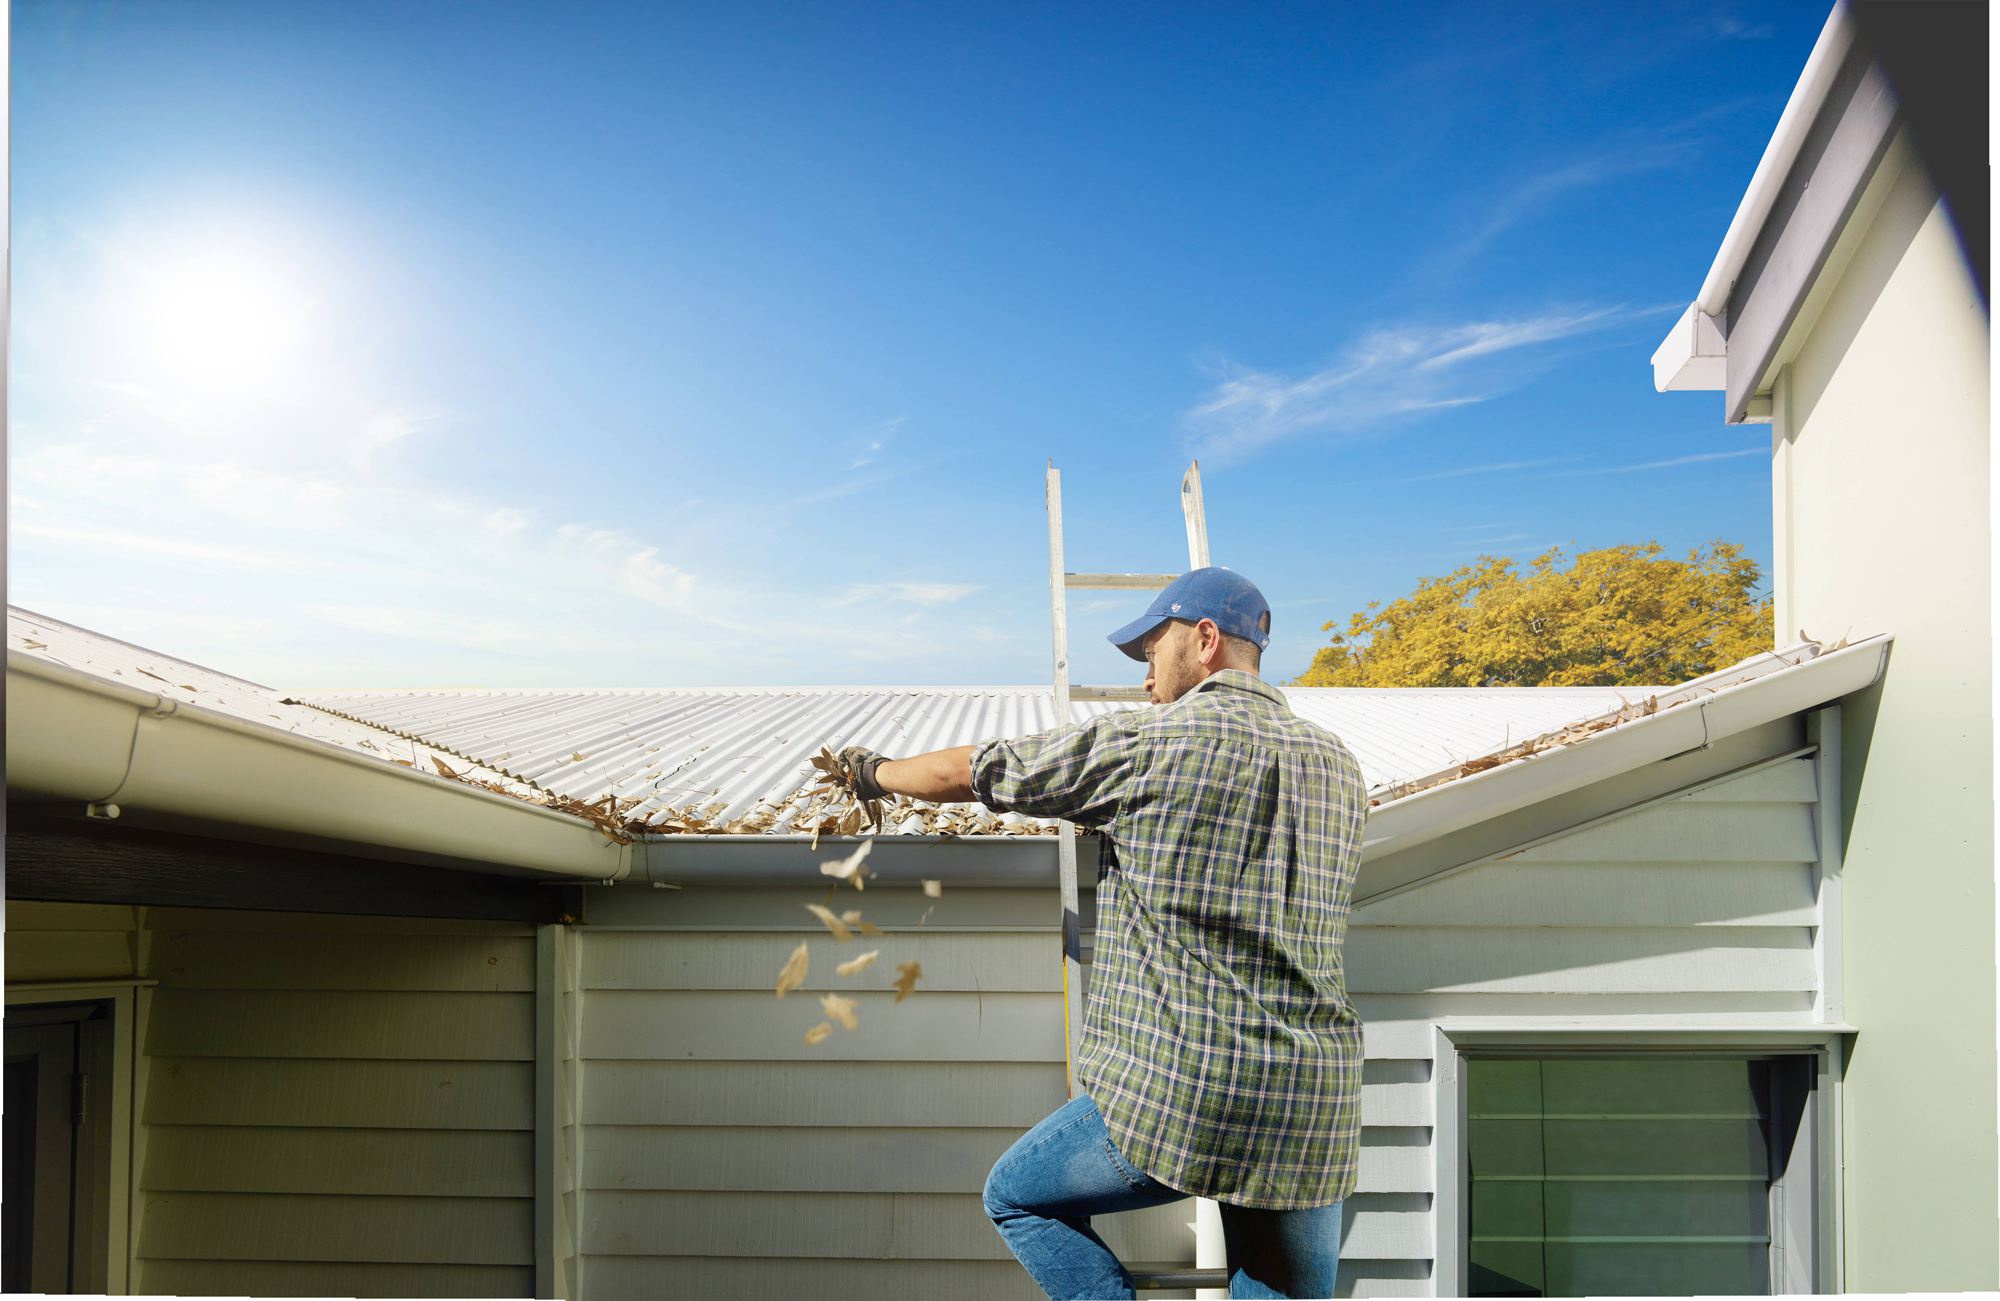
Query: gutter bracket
{"type": "Point", "coordinates": [1703, 707]}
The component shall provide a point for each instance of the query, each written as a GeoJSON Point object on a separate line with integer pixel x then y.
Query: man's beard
{"type": "Point", "coordinates": [1177, 672]}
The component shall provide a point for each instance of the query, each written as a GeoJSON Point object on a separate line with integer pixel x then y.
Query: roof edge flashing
{"type": "Point", "coordinates": [1452, 805]}
{"type": "Point", "coordinates": [1822, 66]}
{"type": "Point", "coordinates": [74, 735]}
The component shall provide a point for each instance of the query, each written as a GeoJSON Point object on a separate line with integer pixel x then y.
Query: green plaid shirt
{"type": "Point", "coordinates": [1218, 1042]}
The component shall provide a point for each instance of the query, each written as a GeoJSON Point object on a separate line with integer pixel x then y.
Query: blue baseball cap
{"type": "Point", "coordinates": [1229, 599]}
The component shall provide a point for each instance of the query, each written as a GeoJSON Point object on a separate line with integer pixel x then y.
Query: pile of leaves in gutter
{"type": "Point", "coordinates": [826, 807]}
{"type": "Point", "coordinates": [1570, 734]}
{"type": "Point", "coordinates": [843, 927]}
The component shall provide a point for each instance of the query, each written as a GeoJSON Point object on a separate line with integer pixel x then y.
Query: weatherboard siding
{"type": "Point", "coordinates": [724, 1155]}
{"type": "Point", "coordinates": [1697, 909]}
{"type": "Point", "coordinates": [335, 1106]}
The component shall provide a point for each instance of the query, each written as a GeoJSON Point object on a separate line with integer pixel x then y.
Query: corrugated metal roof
{"type": "Point", "coordinates": [660, 748]}
{"type": "Point", "coordinates": [681, 746]}
{"type": "Point", "coordinates": [176, 679]}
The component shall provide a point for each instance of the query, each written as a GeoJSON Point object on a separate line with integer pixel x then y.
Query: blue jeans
{"type": "Point", "coordinates": [1044, 1189]}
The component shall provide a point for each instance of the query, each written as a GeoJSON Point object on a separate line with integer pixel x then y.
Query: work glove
{"type": "Point", "coordinates": [860, 763]}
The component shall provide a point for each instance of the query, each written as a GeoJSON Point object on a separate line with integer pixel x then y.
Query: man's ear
{"type": "Point", "coordinates": [1212, 647]}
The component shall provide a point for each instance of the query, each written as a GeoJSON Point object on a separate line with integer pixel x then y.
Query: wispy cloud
{"type": "Point", "coordinates": [1391, 375]}
{"type": "Point", "coordinates": [914, 593]}
{"type": "Point", "coordinates": [1495, 468]}
{"type": "Point", "coordinates": [874, 440]}
{"type": "Point", "coordinates": [1735, 29]}
{"type": "Point", "coordinates": [1678, 460]}
{"type": "Point", "coordinates": [1543, 191]}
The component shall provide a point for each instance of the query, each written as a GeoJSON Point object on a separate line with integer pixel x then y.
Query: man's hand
{"type": "Point", "coordinates": [860, 762]}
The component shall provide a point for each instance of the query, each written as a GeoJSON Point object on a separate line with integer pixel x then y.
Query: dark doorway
{"type": "Point", "coordinates": [55, 1188]}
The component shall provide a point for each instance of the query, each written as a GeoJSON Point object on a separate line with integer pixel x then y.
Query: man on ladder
{"type": "Point", "coordinates": [1220, 1056]}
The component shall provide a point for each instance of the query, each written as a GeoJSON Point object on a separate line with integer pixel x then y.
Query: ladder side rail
{"type": "Point", "coordinates": [1196, 516]}
{"type": "Point", "coordinates": [1072, 930]}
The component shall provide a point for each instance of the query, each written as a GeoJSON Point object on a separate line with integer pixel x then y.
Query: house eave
{"type": "Point", "coordinates": [1451, 806]}
{"type": "Point", "coordinates": [72, 735]}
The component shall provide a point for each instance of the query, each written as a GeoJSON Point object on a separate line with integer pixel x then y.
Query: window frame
{"type": "Point", "coordinates": [123, 996]}
{"type": "Point", "coordinates": [1451, 1267]}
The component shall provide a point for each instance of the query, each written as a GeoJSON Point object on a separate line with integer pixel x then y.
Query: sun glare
{"type": "Point", "coordinates": [221, 323]}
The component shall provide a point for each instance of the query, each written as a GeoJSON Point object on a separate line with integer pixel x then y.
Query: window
{"type": "Point", "coordinates": [1656, 1176]}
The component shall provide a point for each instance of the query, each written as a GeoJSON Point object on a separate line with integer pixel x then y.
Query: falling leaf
{"type": "Point", "coordinates": [819, 1032]}
{"type": "Point", "coordinates": [851, 916]}
{"type": "Point", "coordinates": [849, 868]}
{"type": "Point", "coordinates": [907, 976]}
{"type": "Point", "coordinates": [858, 963]}
{"type": "Point", "coordinates": [868, 928]}
{"type": "Point", "coordinates": [834, 924]}
{"type": "Point", "coordinates": [442, 768]}
{"type": "Point", "coordinates": [934, 889]}
{"type": "Point", "coordinates": [927, 914]}
{"type": "Point", "coordinates": [794, 973]}
{"type": "Point", "coordinates": [841, 1010]}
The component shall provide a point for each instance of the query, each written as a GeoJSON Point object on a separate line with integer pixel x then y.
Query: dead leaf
{"type": "Point", "coordinates": [859, 962]}
{"type": "Point", "coordinates": [576, 756]}
{"type": "Point", "coordinates": [868, 928]}
{"type": "Point", "coordinates": [794, 973]}
{"type": "Point", "coordinates": [907, 976]}
{"type": "Point", "coordinates": [442, 768]}
{"type": "Point", "coordinates": [849, 868]}
{"type": "Point", "coordinates": [841, 1010]}
{"type": "Point", "coordinates": [34, 645]}
{"type": "Point", "coordinates": [405, 762]}
{"type": "Point", "coordinates": [819, 1032]}
{"type": "Point", "coordinates": [851, 916]}
{"type": "Point", "coordinates": [834, 924]}
{"type": "Point", "coordinates": [934, 889]}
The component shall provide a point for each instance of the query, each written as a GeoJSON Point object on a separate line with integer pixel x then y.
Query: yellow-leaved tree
{"type": "Point", "coordinates": [1623, 615]}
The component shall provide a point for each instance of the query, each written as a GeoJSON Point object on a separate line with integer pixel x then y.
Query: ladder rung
{"type": "Point", "coordinates": [1121, 582]}
{"type": "Point", "coordinates": [1109, 693]}
{"type": "Point", "coordinates": [1177, 1279]}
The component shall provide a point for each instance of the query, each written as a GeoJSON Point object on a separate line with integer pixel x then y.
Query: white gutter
{"type": "Point", "coordinates": [1682, 361]}
{"type": "Point", "coordinates": [1453, 805]}
{"type": "Point", "coordinates": [73, 735]}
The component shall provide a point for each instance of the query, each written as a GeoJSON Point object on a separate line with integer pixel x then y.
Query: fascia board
{"type": "Point", "coordinates": [1693, 356]}
{"type": "Point", "coordinates": [1002, 861]}
{"type": "Point", "coordinates": [1683, 360]}
{"type": "Point", "coordinates": [74, 735]}
{"type": "Point", "coordinates": [1810, 92]}
{"type": "Point", "coordinates": [1446, 808]}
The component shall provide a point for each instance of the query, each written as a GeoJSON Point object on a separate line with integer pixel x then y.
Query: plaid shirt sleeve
{"type": "Point", "coordinates": [1077, 772]}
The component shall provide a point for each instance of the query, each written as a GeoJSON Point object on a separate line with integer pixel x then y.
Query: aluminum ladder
{"type": "Point", "coordinates": [1207, 1274]}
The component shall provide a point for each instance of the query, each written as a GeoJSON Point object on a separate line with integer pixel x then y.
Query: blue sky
{"type": "Point", "coordinates": [512, 344]}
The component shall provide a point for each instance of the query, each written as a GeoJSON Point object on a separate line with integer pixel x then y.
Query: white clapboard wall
{"type": "Point", "coordinates": [334, 1106]}
{"type": "Point", "coordinates": [1698, 909]}
{"type": "Point", "coordinates": [725, 1157]}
